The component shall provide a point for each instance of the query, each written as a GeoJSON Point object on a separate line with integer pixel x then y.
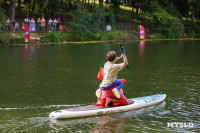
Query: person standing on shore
{"type": "Point", "coordinates": [50, 24]}
{"type": "Point", "coordinates": [54, 24]}
{"type": "Point", "coordinates": [43, 24]}
{"type": "Point", "coordinates": [8, 24]}
{"type": "Point", "coordinates": [13, 25]}
{"type": "Point", "coordinates": [16, 26]}
{"type": "Point", "coordinates": [32, 25]}
{"type": "Point", "coordinates": [27, 21]}
{"type": "Point", "coordinates": [38, 24]}
{"type": "Point", "coordinates": [58, 23]}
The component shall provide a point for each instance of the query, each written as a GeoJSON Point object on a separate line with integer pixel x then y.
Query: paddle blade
{"type": "Point", "coordinates": [100, 74]}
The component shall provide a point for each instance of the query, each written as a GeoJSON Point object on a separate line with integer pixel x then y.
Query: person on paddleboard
{"type": "Point", "coordinates": [110, 77]}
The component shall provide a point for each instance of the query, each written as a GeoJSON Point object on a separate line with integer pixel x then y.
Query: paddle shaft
{"type": "Point", "coordinates": [120, 48]}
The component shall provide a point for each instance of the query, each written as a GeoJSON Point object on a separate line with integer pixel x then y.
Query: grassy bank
{"type": "Point", "coordinates": [17, 38]}
{"type": "Point", "coordinates": [7, 38]}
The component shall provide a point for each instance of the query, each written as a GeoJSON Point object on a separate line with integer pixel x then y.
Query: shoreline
{"type": "Point", "coordinates": [62, 38]}
{"type": "Point", "coordinates": [93, 42]}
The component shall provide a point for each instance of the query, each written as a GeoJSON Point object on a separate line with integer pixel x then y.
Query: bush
{"type": "Point", "coordinates": [3, 39]}
{"type": "Point", "coordinates": [53, 37]}
{"type": "Point", "coordinates": [158, 35]}
{"type": "Point", "coordinates": [96, 36]}
{"type": "Point", "coordinates": [192, 29]}
{"type": "Point", "coordinates": [7, 38]}
{"type": "Point", "coordinates": [66, 36]}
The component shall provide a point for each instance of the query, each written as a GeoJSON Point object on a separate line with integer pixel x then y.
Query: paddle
{"type": "Point", "coordinates": [122, 51]}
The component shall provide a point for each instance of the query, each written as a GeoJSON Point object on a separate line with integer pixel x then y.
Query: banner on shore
{"type": "Point", "coordinates": [142, 32]}
{"type": "Point", "coordinates": [26, 32]}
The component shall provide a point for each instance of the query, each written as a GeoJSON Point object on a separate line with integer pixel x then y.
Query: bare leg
{"type": "Point", "coordinates": [110, 100]}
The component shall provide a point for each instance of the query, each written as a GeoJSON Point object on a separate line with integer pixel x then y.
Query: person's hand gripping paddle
{"type": "Point", "coordinates": [122, 50]}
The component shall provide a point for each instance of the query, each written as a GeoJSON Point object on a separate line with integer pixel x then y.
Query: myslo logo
{"type": "Point", "coordinates": [180, 124]}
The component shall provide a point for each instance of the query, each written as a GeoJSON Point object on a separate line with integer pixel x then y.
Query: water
{"type": "Point", "coordinates": [37, 80]}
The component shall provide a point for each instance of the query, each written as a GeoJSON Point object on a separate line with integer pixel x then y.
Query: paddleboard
{"type": "Point", "coordinates": [92, 110]}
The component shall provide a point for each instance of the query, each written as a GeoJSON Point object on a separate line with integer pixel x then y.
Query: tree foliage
{"type": "Point", "coordinates": [87, 23]}
{"type": "Point", "coordinates": [162, 17]}
{"type": "Point", "coordinates": [162, 23]}
{"type": "Point", "coordinates": [2, 16]}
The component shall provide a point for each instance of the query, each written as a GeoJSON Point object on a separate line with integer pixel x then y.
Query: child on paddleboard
{"type": "Point", "coordinates": [110, 74]}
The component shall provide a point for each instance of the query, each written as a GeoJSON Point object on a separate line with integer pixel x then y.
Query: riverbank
{"type": "Point", "coordinates": [10, 38]}
{"type": "Point", "coordinates": [37, 38]}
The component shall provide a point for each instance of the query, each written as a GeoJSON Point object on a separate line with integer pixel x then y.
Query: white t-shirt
{"type": "Point", "coordinates": [8, 21]}
{"type": "Point", "coordinates": [110, 73]}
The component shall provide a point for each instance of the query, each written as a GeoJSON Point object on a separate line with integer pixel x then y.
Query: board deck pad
{"type": "Point", "coordinates": [93, 107]}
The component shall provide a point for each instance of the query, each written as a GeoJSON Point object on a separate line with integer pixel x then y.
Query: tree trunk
{"type": "Point", "coordinates": [12, 9]}
{"type": "Point", "coordinates": [33, 8]}
{"type": "Point", "coordinates": [115, 4]}
{"type": "Point", "coordinates": [100, 3]}
{"type": "Point", "coordinates": [61, 2]}
{"type": "Point", "coordinates": [19, 8]}
{"type": "Point", "coordinates": [43, 7]}
{"type": "Point", "coordinates": [137, 12]}
{"type": "Point", "coordinates": [193, 17]}
{"type": "Point", "coordinates": [70, 5]}
{"type": "Point", "coordinates": [5, 2]}
{"type": "Point", "coordinates": [29, 6]}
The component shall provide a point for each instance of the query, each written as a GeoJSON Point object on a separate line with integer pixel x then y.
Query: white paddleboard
{"type": "Point", "coordinates": [91, 110]}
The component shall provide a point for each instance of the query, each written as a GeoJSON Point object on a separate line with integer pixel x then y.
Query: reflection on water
{"type": "Point", "coordinates": [141, 53]}
{"type": "Point", "coordinates": [36, 80]}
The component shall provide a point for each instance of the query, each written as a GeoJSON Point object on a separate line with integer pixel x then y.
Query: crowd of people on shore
{"type": "Point", "coordinates": [34, 25]}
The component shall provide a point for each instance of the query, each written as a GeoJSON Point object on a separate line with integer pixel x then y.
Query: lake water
{"type": "Point", "coordinates": [36, 80]}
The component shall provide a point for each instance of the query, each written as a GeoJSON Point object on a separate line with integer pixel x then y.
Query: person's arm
{"type": "Point", "coordinates": [117, 58]}
{"type": "Point", "coordinates": [125, 60]}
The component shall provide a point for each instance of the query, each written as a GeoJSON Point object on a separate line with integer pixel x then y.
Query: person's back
{"type": "Point", "coordinates": [110, 74]}
{"type": "Point", "coordinates": [111, 69]}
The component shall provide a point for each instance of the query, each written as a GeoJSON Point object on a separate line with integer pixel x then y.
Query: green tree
{"type": "Point", "coordinates": [162, 24]}
{"type": "Point", "coordinates": [112, 18]}
{"type": "Point", "coordinates": [87, 23]}
{"type": "Point", "coordinates": [194, 6]}
{"type": "Point", "coordinates": [79, 23]}
{"type": "Point", "coordinates": [2, 17]}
